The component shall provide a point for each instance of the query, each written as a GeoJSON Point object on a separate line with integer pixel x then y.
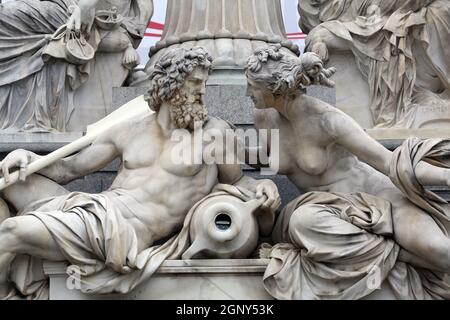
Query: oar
{"type": "Point", "coordinates": [136, 108]}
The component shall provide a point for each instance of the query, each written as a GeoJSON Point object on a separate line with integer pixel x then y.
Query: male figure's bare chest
{"type": "Point", "coordinates": [178, 154]}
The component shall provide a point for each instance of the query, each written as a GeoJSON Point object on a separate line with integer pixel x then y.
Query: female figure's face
{"type": "Point", "coordinates": [261, 97]}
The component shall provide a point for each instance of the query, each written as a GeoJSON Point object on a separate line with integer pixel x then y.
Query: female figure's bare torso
{"type": "Point", "coordinates": [313, 157]}
{"type": "Point", "coordinates": [310, 156]}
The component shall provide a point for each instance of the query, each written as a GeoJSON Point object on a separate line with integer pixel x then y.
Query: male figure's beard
{"type": "Point", "coordinates": [185, 114]}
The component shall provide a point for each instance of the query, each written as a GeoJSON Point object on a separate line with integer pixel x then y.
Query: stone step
{"type": "Point", "coordinates": [178, 280]}
{"type": "Point", "coordinates": [187, 280]}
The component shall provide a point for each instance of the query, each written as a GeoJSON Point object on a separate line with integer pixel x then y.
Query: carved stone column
{"type": "Point", "coordinates": [230, 29]}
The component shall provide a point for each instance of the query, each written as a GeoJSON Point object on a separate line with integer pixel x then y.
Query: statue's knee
{"type": "Point", "coordinates": [304, 218]}
{"type": "Point", "coordinates": [9, 232]}
{"type": "Point", "coordinates": [8, 226]}
{"type": "Point", "coordinates": [16, 228]}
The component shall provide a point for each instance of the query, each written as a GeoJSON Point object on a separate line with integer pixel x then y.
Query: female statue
{"type": "Point", "coordinates": [323, 150]}
{"type": "Point", "coordinates": [397, 47]}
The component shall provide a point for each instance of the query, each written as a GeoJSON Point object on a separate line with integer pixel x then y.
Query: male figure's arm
{"type": "Point", "coordinates": [91, 159]}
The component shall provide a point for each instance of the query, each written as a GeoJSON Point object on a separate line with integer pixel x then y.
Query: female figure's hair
{"type": "Point", "coordinates": [170, 72]}
{"type": "Point", "coordinates": [284, 74]}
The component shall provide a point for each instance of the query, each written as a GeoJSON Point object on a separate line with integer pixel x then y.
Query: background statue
{"type": "Point", "coordinates": [41, 87]}
{"type": "Point", "coordinates": [397, 46]}
{"type": "Point", "coordinates": [109, 236]}
{"type": "Point", "coordinates": [325, 152]}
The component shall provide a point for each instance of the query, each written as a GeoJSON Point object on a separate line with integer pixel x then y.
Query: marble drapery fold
{"type": "Point", "coordinates": [54, 95]}
{"type": "Point", "coordinates": [26, 28]}
{"type": "Point", "coordinates": [397, 47]}
{"type": "Point", "coordinates": [405, 159]}
{"type": "Point", "coordinates": [98, 243]}
{"type": "Point", "coordinates": [330, 244]}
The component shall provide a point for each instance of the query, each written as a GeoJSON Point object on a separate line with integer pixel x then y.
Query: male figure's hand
{"type": "Point", "coordinates": [16, 159]}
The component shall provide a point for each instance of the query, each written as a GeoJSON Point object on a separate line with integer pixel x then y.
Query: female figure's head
{"type": "Point", "coordinates": [275, 75]}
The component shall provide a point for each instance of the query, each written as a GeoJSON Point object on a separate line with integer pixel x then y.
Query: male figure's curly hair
{"type": "Point", "coordinates": [284, 74]}
{"type": "Point", "coordinates": [171, 71]}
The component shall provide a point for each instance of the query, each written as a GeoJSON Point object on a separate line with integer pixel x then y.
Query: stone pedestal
{"type": "Point", "coordinates": [188, 280]}
{"type": "Point", "coordinates": [180, 280]}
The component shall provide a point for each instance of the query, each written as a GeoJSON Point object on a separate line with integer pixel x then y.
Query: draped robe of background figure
{"type": "Point", "coordinates": [54, 95]}
{"type": "Point", "coordinates": [397, 47]}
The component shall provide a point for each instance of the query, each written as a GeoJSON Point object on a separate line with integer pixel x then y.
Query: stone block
{"type": "Point", "coordinates": [188, 280]}
{"type": "Point", "coordinates": [180, 280]}
{"type": "Point", "coordinates": [228, 102]}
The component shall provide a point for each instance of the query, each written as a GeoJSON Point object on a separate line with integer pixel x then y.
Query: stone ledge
{"type": "Point", "coordinates": [189, 280]}
{"type": "Point", "coordinates": [402, 134]}
{"type": "Point", "coordinates": [186, 266]}
{"type": "Point", "coordinates": [179, 280]}
{"type": "Point", "coordinates": [36, 142]}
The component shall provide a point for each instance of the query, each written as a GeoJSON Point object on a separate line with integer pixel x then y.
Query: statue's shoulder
{"type": "Point", "coordinates": [137, 123]}
{"type": "Point", "coordinates": [125, 131]}
{"type": "Point", "coordinates": [141, 123]}
{"type": "Point", "coordinates": [316, 106]}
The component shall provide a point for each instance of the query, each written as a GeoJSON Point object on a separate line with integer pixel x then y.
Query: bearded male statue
{"type": "Point", "coordinates": [148, 200]}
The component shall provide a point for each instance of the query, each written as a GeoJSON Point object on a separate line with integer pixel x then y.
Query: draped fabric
{"type": "Point", "coordinates": [23, 44]}
{"type": "Point", "coordinates": [91, 232]}
{"type": "Point", "coordinates": [334, 246]}
{"type": "Point", "coordinates": [30, 91]}
{"type": "Point", "coordinates": [328, 251]}
{"type": "Point", "coordinates": [40, 95]}
{"type": "Point", "coordinates": [405, 159]}
{"type": "Point", "coordinates": [383, 44]}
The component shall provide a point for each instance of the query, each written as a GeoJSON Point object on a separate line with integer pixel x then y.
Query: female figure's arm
{"type": "Point", "coordinates": [351, 136]}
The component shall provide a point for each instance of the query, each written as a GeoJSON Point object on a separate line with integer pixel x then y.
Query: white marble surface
{"type": "Point", "coordinates": [181, 280]}
{"type": "Point", "coordinates": [189, 280]}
